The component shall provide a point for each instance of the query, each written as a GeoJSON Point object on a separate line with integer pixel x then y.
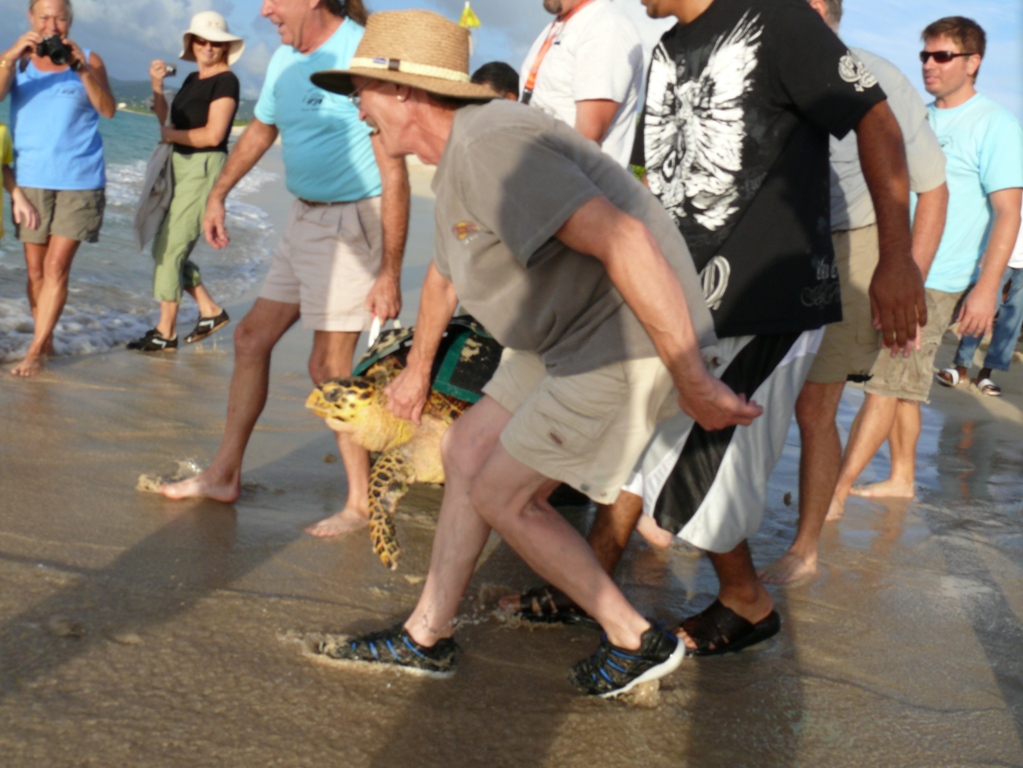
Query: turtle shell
{"type": "Point", "coordinates": [467, 357]}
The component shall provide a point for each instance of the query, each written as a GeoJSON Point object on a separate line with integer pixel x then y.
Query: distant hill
{"type": "Point", "coordinates": [137, 94]}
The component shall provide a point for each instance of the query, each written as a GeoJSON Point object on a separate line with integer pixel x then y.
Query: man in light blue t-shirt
{"type": "Point", "coordinates": [983, 145]}
{"type": "Point", "coordinates": [338, 263]}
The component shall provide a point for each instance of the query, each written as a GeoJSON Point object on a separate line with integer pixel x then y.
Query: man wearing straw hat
{"type": "Point", "coordinates": [558, 250]}
{"type": "Point", "coordinates": [339, 260]}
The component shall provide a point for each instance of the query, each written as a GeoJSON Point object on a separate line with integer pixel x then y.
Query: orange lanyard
{"type": "Point", "coordinates": [556, 28]}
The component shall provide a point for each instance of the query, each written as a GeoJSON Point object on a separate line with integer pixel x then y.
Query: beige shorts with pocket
{"type": "Point", "coordinates": [850, 347]}
{"type": "Point", "coordinates": [76, 214]}
{"type": "Point", "coordinates": [326, 262]}
{"type": "Point", "coordinates": [910, 378]}
{"type": "Point", "coordinates": [587, 430]}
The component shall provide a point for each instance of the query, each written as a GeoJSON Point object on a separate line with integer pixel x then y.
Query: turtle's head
{"type": "Point", "coordinates": [344, 401]}
{"type": "Point", "coordinates": [356, 405]}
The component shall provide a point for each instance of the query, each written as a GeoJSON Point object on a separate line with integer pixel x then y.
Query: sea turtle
{"type": "Point", "coordinates": [405, 453]}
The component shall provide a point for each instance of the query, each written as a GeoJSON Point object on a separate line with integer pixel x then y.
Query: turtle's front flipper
{"type": "Point", "coordinates": [388, 482]}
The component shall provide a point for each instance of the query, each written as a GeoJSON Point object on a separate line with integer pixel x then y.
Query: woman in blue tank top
{"type": "Point", "coordinates": [58, 92]}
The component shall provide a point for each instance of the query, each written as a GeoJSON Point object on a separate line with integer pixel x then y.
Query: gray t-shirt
{"type": "Point", "coordinates": [510, 177]}
{"type": "Point", "coordinates": [851, 205]}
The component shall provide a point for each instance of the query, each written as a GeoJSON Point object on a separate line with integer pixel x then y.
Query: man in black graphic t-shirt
{"type": "Point", "coordinates": [741, 98]}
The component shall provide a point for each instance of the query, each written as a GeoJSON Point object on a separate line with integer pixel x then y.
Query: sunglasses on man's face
{"type": "Point", "coordinates": [942, 57]}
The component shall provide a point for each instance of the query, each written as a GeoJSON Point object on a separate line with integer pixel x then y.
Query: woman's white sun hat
{"type": "Point", "coordinates": [210, 25]}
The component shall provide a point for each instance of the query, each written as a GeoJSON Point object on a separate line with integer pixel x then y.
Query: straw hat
{"type": "Point", "coordinates": [420, 49]}
{"type": "Point", "coordinates": [210, 25]}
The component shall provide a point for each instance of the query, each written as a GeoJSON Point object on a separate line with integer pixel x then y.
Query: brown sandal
{"type": "Point", "coordinates": [546, 605]}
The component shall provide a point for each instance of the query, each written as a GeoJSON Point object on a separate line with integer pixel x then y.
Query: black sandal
{"type": "Point", "coordinates": [718, 629]}
{"type": "Point", "coordinates": [546, 605]}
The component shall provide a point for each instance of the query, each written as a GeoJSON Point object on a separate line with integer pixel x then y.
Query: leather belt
{"type": "Point", "coordinates": [313, 204]}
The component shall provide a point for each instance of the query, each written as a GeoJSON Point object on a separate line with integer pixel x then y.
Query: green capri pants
{"type": "Point", "coordinates": [173, 271]}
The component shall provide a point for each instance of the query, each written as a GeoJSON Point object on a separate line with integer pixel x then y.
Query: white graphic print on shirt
{"type": "Point", "coordinates": [853, 70]}
{"type": "Point", "coordinates": [697, 170]}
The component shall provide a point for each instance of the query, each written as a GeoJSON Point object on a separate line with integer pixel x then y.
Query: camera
{"type": "Point", "coordinates": [171, 70]}
{"type": "Point", "coordinates": [54, 48]}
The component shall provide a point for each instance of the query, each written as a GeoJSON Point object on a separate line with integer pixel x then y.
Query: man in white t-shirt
{"type": "Point", "coordinates": [586, 68]}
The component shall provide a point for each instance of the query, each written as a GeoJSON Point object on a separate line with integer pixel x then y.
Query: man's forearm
{"type": "Point", "coordinates": [1004, 231]}
{"type": "Point", "coordinates": [8, 177]}
{"type": "Point", "coordinates": [97, 87]}
{"type": "Point", "coordinates": [928, 226]}
{"type": "Point", "coordinates": [394, 213]}
{"type": "Point", "coordinates": [883, 160]}
{"type": "Point", "coordinates": [436, 308]}
{"type": "Point", "coordinates": [643, 277]}
{"type": "Point", "coordinates": [394, 208]}
{"type": "Point", "coordinates": [252, 145]}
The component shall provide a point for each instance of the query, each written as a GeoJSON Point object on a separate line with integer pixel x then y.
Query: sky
{"type": "Point", "coordinates": [128, 34]}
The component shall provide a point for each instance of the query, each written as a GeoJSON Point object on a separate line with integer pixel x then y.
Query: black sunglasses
{"type": "Point", "coordinates": [213, 43]}
{"type": "Point", "coordinates": [942, 57]}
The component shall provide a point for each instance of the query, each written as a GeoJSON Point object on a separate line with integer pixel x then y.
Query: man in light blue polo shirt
{"type": "Point", "coordinates": [983, 144]}
{"type": "Point", "coordinates": [338, 263]}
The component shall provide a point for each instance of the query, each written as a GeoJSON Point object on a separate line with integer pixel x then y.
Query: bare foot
{"type": "Point", "coordinates": [30, 366]}
{"type": "Point", "coordinates": [656, 536]}
{"type": "Point", "coordinates": [202, 486]}
{"type": "Point", "coordinates": [345, 521]}
{"type": "Point", "coordinates": [787, 569]}
{"type": "Point", "coordinates": [835, 510]}
{"type": "Point", "coordinates": [887, 489]}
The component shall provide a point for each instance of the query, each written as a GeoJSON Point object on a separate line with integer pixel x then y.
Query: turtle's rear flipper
{"type": "Point", "coordinates": [388, 482]}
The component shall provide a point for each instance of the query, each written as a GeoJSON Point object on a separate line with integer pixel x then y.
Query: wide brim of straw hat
{"type": "Point", "coordinates": [208, 31]}
{"type": "Point", "coordinates": [420, 49]}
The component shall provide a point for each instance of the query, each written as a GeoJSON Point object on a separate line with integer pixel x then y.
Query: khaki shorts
{"type": "Point", "coordinates": [326, 262]}
{"type": "Point", "coordinates": [587, 430]}
{"type": "Point", "coordinates": [910, 378]}
{"type": "Point", "coordinates": [75, 214]}
{"type": "Point", "coordinates": [850, 347]}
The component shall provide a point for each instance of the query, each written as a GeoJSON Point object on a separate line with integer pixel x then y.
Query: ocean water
{"type": "Point", "coordinates": [110, 300]}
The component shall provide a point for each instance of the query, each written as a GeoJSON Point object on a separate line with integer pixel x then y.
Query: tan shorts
{"type": "Point", "coordinates": [910, 378]}
{"type": "Point", "coordinates": [75, 214]}
{"type": "Point", "coordinates": [326, 262]}
{"type": "Point", "coordinates": [587, 430]}
{"type": "Point", "coordinates": [850, 347]}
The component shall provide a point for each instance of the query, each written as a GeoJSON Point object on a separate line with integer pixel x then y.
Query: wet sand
{"type": "Point", "coordinates": [139, 631]}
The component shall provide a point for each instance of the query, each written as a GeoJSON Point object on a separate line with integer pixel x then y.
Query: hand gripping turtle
{"type": "Point", "coordinates": [403, 452]}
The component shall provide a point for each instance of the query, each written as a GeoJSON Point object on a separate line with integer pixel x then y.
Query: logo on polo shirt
{"type": "Point", "coordinates": [465, 231]}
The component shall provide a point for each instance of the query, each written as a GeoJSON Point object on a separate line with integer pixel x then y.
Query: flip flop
{"type": "Point", "coordinates": [547, 605]}
{"type": "Point", "coordinates": [718, 629]}
{"type": "Point", "coordinates": [948, 377]}
{"type": "Point", "coordinates": [988, 387]}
